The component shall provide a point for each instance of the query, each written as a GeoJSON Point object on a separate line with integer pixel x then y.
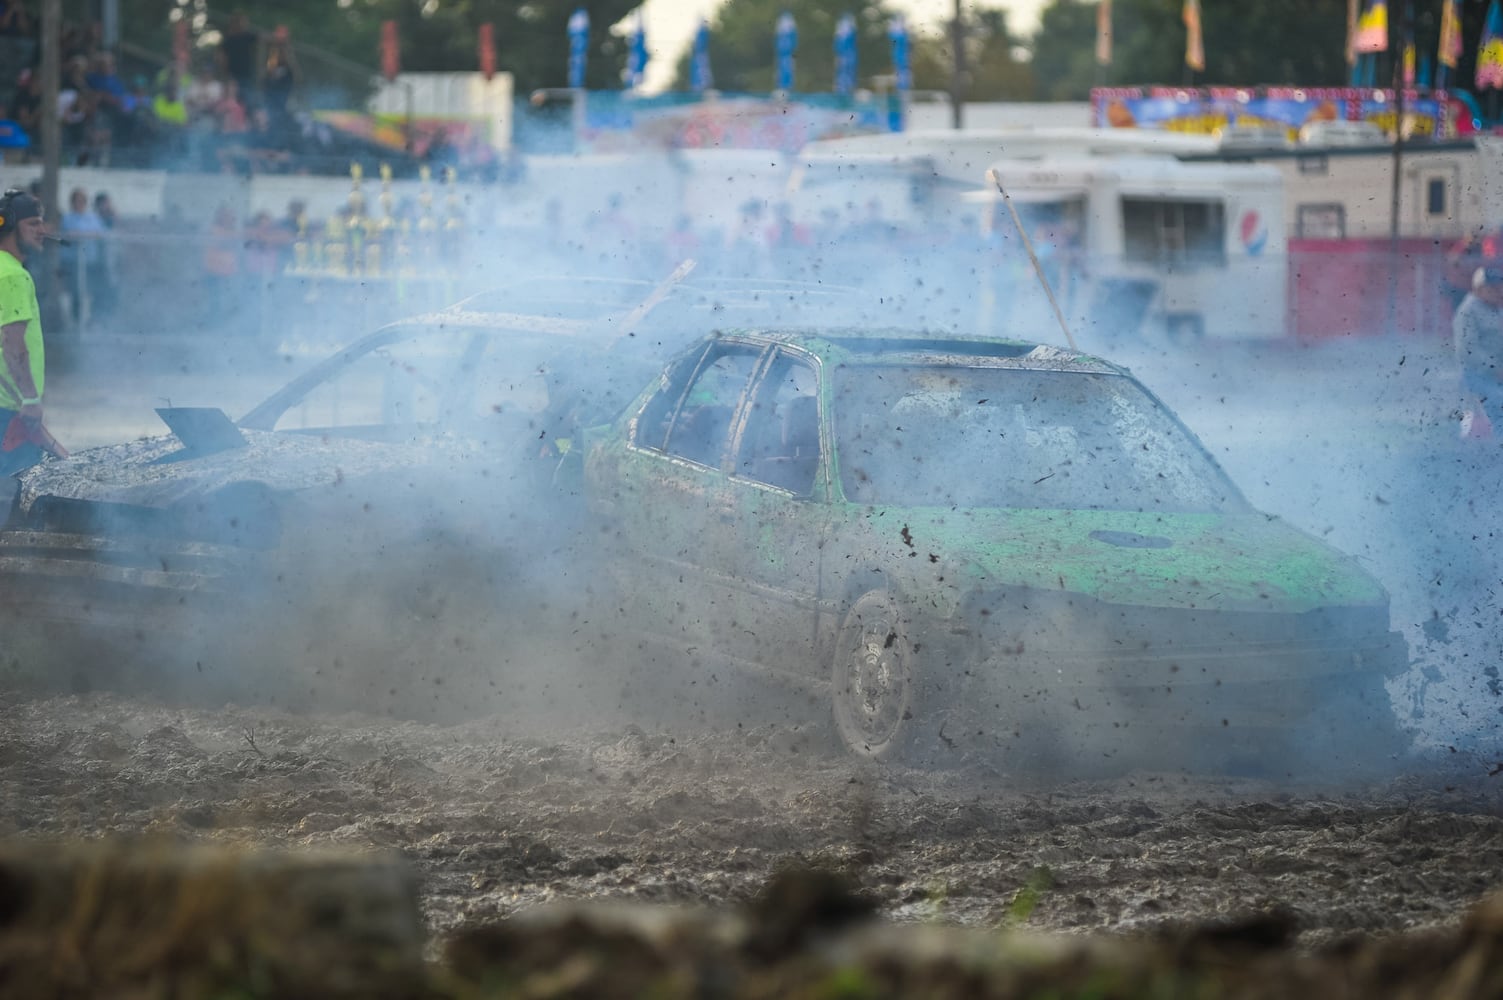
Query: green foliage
{"type": "Point", "coordinates": [846, 983]}
{"type": "Point", "coordinates": [993, 72]}
{"type": "Point", "coordinates": [1026, 900]}
{"type": "Point", "coordinates": [743, 45]}
{"type": "Point", "coordinates": [1271, 43]}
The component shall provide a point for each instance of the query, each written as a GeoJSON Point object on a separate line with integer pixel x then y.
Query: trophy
{"type": "Point", "coordinates": [300, 249]}
{"type": "Point", "coordinates": [355, 231]}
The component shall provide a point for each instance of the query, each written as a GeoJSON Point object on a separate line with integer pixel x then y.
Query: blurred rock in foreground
{"type": "Point", "coordinates": [148, 920]}
{"type": "Point", "coordinates": [122, 922]}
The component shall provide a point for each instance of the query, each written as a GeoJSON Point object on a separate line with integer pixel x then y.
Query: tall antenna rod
{"type": "Point", "coordinates": [1038, 268]}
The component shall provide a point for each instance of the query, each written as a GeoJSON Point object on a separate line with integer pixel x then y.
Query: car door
{"type": "Point", "coordinates": [672, 499]}
{"type": "Point", "coordinates": [778, 487]}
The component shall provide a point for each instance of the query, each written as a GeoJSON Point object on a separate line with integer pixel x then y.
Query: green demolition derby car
{"type": "Point", "coordinates": [981, 545]}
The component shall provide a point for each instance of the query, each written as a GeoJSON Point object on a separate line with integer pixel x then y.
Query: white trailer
{"type": "Point", "coordinates": [1196, 249]}
{"type": "Point", "coordinates": [1336, 191]}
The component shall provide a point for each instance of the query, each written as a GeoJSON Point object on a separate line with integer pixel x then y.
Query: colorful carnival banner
{"type": "Point", "coordinates": [1208, 110]}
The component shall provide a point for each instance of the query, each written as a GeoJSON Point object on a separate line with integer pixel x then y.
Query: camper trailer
{"type": "Point", "coordinates": [1144, 242]}
{"type": "Point", "coordinates": [916, 179]}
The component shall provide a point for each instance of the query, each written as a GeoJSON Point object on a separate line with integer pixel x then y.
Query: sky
{"type": "Point", "coordinates": [670, 26]}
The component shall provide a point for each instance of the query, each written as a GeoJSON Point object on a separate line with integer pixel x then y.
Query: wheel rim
{"type": "Point", "coordinates": [872, 694]}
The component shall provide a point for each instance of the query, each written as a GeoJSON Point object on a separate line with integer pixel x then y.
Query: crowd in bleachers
{"type": "Point", "coordinates": [231, 106]}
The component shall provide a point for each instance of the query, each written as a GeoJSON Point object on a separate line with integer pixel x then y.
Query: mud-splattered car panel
{"type": "Point", "coordinates": [952, 524]}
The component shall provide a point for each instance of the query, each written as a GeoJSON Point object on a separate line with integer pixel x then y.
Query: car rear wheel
{"type": "Point", "coordinates": [872, 680]}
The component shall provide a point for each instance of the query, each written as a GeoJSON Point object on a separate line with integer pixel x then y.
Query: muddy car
{"type": "Point", "coordinates": [970, 546]}
{"type": "Point", "coordinates": [402, 512]}
{"type": "Point", "coordinates": [375, 511]}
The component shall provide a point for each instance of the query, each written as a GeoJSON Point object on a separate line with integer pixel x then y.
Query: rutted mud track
{"type": "Point", "coordinates": [494, 822]}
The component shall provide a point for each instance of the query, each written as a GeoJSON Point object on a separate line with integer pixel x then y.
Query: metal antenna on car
{"type": "Point", "coordinates": [1037, 267]}
{"type": "Point", "coordinates": [658, 294]}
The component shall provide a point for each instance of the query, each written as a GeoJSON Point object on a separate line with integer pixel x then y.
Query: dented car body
{"type": "Point", "coordinates": [984, 544]}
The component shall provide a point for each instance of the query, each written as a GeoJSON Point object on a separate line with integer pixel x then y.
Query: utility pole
{"type": "Point", "coordinates": [52, 42]}
{"type": "Point", "coordinates": [958, 79]}
{"type": "Point", "coordinates": [1406, 33]}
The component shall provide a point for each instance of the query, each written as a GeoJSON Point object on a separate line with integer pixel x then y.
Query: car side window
{"type": "Point", "coordinates": [780, 446]}
{"type": "Point", "coordinates": [656, 418]}
{"type": "Point", "coordinates": [701, 428]}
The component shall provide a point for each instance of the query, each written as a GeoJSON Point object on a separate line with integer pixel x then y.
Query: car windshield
{"type": "Point", "coordinates": [953, 435]}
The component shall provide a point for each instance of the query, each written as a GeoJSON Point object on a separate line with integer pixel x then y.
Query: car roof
{"type": "Point", "coordinates": [901, 346]}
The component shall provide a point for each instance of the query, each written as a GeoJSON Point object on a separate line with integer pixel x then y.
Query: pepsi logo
{"type": "Point", "coordinates": [1254, 232]}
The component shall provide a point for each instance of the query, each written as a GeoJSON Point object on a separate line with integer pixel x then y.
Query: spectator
{"type": "Point", "coordinates": [116, 106]}
{"type": "Point", "coordinates": [232, 128]}
{"type": "Point", "coordinates": [1477, 332]}
{"type": "Point", "coordinates": [107, 291]}
{"type": "Point", "coordinates": [203, 94]}
{"type": "Point", "coordinates": [1481, 246]}
{"type": "Point", "coordinates": [279, 80]}
{"type": "Point", "coordinates": [82, 260]}
{"type": "Point", "coordinates": [222, 268]}
{"type": "Point", "coordinates": [14, 19]}
{"type": "Point", "coordinates": [238, 55]}
{"type": "Point", "coordinates": [682, 242]}
{"type": "Point", "coordinates": [26, 106]}
{"type": "Point", "coordinates": [169, 121]}
{"type": "Point", "coordinates": [75, 110]}
{"type": "Point", "coordinates": [785, 233]}
{"type": "Point", "coordinates": [264, 242]}
{"type": "Point", "coordinates": [104, 207]}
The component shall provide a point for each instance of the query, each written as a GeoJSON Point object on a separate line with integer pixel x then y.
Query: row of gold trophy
{"type": "Point", "coordinates": [355, 243]}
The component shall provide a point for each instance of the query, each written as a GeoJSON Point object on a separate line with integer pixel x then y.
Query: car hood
{"type": "Point", "coordinates": [1233, 561]}
{"type": "Point", "coordinates": [142, 473]}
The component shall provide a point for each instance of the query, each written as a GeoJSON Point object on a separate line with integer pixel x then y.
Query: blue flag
{"type": "Point", "coordinates": [897, 30]}
{"type": "Point", "coordinates": [787, 42]}
{"type": "Point", "coordinates": [636, 59]}
{"type": "Point", "coordinates": [700, 77]}
{"type": "Point", "coordinates": [845, 54]}
{"type": "Point", "coordinates": [579, 46]}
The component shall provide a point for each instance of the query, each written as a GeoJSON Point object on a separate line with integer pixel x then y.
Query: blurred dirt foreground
{"type": "Point", "coordinates": [114, 919]}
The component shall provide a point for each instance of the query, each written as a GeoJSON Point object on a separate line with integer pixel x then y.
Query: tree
{"type": "Point", "coordinates": [743, 44]}
{"type": "Point", "coordinates": [993, 70]}
{"type": "Point", "coordinates": [1273, 42]}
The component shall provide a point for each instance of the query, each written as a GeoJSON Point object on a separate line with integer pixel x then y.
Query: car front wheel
{"type": "Point", "coordinates": [872, 678]}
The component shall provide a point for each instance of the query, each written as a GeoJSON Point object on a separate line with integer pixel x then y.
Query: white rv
{"type": "Point", "coordinates": [916, 179]}
{"type": "Point", "coordinates": [1196, 249]}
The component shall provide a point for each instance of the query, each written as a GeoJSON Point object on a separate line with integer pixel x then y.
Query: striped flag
{"type": "Point", "coordinates": [787, 41]}
{"type": "Point", "coordinates": [701, 78]}
{"type": "Point", "coordinates": [487, 54]}
{"type": "Point", "coordinates": [391, 50]}
{"type": "Point", "coordinates": [1490, 50]}
{"type": "Point", "coordinates": [845, 54]}
{"type": "Point", "coordinates": [1372, 28]}
{"type": "Point", "coordinates": [897, 31]}
{"type": "Point", "coordinates": [636, 56]}
{"type": "Point", "coordinates": [579, 46]}
{"type": "Point", "coordinates": [1450, 34]}
{"type": "Point", "coordinates": [1195, 46]}
{"type": "Point", "coordinates": [1104, 33]}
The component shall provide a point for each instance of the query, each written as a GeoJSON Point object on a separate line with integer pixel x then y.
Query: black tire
{"type": "Point", "coordinates": [873, 689]}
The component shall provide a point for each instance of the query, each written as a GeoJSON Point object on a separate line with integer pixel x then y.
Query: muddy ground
{"type": "Point", "coordinates": [495, 823]}
{"type": "Point", "coordinates": [497, 817]}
